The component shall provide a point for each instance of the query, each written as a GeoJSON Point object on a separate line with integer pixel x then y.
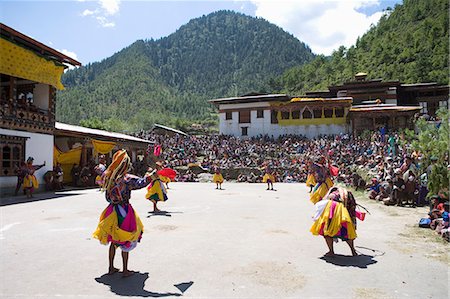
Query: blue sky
{"type": "Point", "coordinates": [90, 31]}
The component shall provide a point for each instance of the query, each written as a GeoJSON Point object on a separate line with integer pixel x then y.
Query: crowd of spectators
{"type": "Point", "coordinates": [392, 168]}
{"type": "Point", "coordinates": [383, 165]}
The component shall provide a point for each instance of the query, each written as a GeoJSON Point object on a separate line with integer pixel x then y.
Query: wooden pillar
{"type": "Point", "coordinates": [84, 154]}
{"type": "Point", "coordinates": [12, 93]}
{"type": "Point", "coordinates": [373, 123]}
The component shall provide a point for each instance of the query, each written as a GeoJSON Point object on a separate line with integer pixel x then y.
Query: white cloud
{"type": "Point", "coordinates": [104, 22]}
{"type": "Point", "coordinates": [322, 24]}
{"type": "Point", "coordinates": [71, 55]}
{"type": "Point", "coordinates": [87, 12]}
{"type": "Point", "coordinates": [111, 7]}
{"type": "Point", "coordinates": [103, 13]}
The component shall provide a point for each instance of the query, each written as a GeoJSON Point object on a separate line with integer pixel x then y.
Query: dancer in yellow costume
{"type": "Point", "coordinates": [119, 223]}
{"type": "Point", "coordinates": [156, 191]}
{"type": "Point", "coordinates": [323, 180]}
{"type": "Point", "coordinates": [268, 178]}
{"type": "Point", "coordinates": [164, 179]}
{"type": "Point", "coordinates": [335, 217]}
{"type": "Point", "coordinates": [30, 183]}
{"type": "Point", "coordinates": [310, 180]}
{"type": "Point", "coordinates": [218, 178]}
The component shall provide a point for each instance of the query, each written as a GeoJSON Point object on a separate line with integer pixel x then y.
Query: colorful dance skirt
{"type": "Point", "coordinates": [320, 190]}
{"type": "Point", "coordinates": [30, 181]}
{"type": "Point", "coordinates": [268, 178]}
{"type": "Point", "coordinates": [311, 180]}
{"type": "Point", "coordinates": [334, 221]}
{"type": "Point", "coordinates": [156, 191]}
{"type": "Point", "coordinates": [164, 179]}
{"type": "Point", "coordinates": [120, 225]}
{"type": "Point", "coordinates": [218, 178]}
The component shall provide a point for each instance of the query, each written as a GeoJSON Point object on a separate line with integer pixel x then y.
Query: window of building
{"type": "Point", "coordinates": [424, 107]}
{"type": "Point", "coordinates": [339, 112]}
{"type": "Point", "coordinates": [228, 115]}
{"type": "Point", "coordinates": [273, 117]}
{"type": "Point", "coordinates": [296, 114]}
{"type": "Point", "coordinates": [244, 131]}
{"type": "Point", "coordinates": [244, 116]}
{"type": "Point", "coordinates": [443, 104]}
{"type": "Point", "coordinates": [306, 113]}
{"type": "Point", "coordinates": [317, 113]}
{"type": "Point", "coordinates": [328, 112]}
{"type": "Point", "coordinates": [260, 113]}
{"type": "Point", "coordinates": [12, 152]}
{"type": "Point", "coordinates": [284, 114]}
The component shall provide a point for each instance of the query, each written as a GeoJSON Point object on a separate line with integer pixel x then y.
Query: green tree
{"type": "Point", "coordinates": [432, 140]}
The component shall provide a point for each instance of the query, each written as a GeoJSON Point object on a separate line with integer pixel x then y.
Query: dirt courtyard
{"type": "Point", "coordinates": [241, 242]}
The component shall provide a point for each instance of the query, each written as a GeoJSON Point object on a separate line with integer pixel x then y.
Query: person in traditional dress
{"type": "Point", "coordinates": [335, 217]}
{"type": "Point", "coordinates": [268, 178]}
{"type": "Point", "coordinates": [21, 172]}
{"type": "Point", "coordinates": [166, 180]}
{"type": "Point", "coordinates": [218, 178]}
{"type": "Point", "coordinates": [310, 180]}
{"type": "Point", "coordinates": [119, 224]}
{"type": "Point", "coordinates": [30, 183]}
{"type": "Point", "coordinates": [100, 170]}
{"type": "Point", "coordinates": [322, 176]}
{"type": "Point", "coordinates": [156, 191]}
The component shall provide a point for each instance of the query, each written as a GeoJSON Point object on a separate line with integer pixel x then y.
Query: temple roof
{"type": "Point", "coordinates": [27, 42]}
{"type": "Point", "coordinates": [66, 128]}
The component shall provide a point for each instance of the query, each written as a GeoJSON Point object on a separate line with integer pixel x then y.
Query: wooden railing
{"type": "Point", "coordinates": [28, 118]}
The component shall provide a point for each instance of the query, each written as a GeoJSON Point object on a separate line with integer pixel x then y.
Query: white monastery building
{"type": "Point", "coordinates": [280, 114]}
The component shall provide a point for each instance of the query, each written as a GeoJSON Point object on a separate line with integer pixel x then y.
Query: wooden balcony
{"type": "Point", "coordinates": [29, 118]}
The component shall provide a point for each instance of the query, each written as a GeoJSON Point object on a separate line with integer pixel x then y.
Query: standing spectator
{"type": "Point", "coordinates": [100, 169]}
{"type": "Point", "coordinates": [75, 172]}
{"type": "Point", "coordinates": [21, 172]}
{"type": "Point", "coordinates": [59, 176]}
{"type": "Point", "coordinates": [85, 175]}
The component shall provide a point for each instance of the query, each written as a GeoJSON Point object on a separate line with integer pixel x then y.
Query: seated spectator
{"type": "Point", "coordinates": [385, 190]}
{"type": "Point", "coordinates": [374, 188]}
{"type": "Point", "coordinates": [358, 181]}
{"type": "Point", "coordinates": [411, 190]}
{"type": "Point", "coordinates": [398, 192]}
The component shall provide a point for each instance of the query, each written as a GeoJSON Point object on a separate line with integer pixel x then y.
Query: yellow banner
{"type": "Point", "coordinates": [102, 147]}
{"type": "Point", "coordinates": [22, 63]}
{"type": "Point", "coordinates": [67, 159]}
{"type": "Point", "coordinates": [72, 156]}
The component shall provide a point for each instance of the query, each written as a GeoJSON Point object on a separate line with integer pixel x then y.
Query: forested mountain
{"type": "Point", "coordinates": [169, 80]}
{"type": "Point", "coordinates": [410, 43]}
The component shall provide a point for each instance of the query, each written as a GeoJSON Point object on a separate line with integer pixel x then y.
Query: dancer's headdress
{"type": "Point", "coordinates": [120, 164]}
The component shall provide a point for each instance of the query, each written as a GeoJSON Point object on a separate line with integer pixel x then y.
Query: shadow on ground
{"type": "Point", "coordinates": [162, 213]}
{"type": "Point", "coordinates": [12, 200]}
{"type": "Point", "coordinates": [134, 285]}
{"type": "Point", "coordinates": [360, 261]}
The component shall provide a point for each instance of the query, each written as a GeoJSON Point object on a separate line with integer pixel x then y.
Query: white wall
{"type": "Point", "coordinates": [263, 126]}
{"type": "Point", "coordinates": [38, 146]}
{"type": "Point", "coordinates": [391, 101]}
